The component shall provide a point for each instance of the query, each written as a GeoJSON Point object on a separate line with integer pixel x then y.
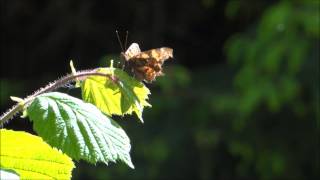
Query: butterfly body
{"type": "Point", "coordinates": [146, 65]}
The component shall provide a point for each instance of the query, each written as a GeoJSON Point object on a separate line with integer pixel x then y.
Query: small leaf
{"type": "Point", "coordinates": [17, 99]}
{"type": "Point", "coordinates": [32, 158]}
{"type": "Point", "coordinates": [79, 129]}
{"type": "Point", "coordinates": [123, 96]}
{"type": "Point", "coordinates": [73, 71]}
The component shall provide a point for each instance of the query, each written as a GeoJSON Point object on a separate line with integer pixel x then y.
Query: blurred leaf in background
{"type": "Point", "coordinates": [276, 92]}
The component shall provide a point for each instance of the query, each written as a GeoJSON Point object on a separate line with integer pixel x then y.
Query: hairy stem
{"type": "Point", "coordinates": [9, 114]}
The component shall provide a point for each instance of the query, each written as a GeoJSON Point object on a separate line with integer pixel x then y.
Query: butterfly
{"type": "Point", "coordinates": [146, 65]}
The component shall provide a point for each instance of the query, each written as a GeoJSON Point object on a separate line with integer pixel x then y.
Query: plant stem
{"type": "Point", "coordinates": [9, 114]}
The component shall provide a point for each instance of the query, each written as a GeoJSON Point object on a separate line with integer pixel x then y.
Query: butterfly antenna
{"type": "Point", "coordinates": [119, 41]}
{"type": "Point", "coordinates": [125, 45]}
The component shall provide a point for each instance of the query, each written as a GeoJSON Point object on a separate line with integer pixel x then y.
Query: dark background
{"type": "Point", "coordinates": [240, 99]}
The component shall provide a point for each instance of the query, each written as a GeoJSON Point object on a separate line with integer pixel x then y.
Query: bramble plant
{"type": "Point", "coordinates": [76, 129]}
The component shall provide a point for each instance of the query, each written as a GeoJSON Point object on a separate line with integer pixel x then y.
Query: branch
{"type": "Point", "coordinates": [9, 114]}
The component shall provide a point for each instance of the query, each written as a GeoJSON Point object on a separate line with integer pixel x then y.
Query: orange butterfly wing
{"type": "Point", "coordinates": [147, 65]}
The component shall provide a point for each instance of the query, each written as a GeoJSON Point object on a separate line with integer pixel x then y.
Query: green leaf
{"type": "Point", "coordinates": [119, 97]}
{"type": "Point", "coordinates": [79, 129]}
{"type": "Point", "coordinates": [32, 158]}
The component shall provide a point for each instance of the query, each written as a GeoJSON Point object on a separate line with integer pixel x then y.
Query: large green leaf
{"type": "Point", "coordinates": [79, 129]}
{"type": "Point", "coordinates": [32, 158]}
{"type": "Point", "coordinates": [122, 96]}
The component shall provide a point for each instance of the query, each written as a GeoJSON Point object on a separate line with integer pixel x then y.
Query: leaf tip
{"type": "Point", "coordinates": [140, 117]}
{"type": "Point", "coordinates": [16, 99]}
{"type": "Point", "coordinates": [130, 164]}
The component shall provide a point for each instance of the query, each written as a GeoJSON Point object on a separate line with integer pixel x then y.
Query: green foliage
{"type": "Point", "coordinates": [232, 8]}
{"type": "Point", "coordinates": [123, 96]}
{"type": "Point", "coordinates": [270, 60]}
{"type": "Point", "coordinates": [176, 77]}
{"type": "Point", "coordinates": [31, 158]}
{"type": "Point", "coordinates": [79, 129]}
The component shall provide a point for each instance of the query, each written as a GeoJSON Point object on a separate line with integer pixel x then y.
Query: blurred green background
{"type": "Point", "coordinates": [240, 100]}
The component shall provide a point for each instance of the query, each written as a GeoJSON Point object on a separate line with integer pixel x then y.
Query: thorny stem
{"type": "Point", "coordinates": [9, 114]}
